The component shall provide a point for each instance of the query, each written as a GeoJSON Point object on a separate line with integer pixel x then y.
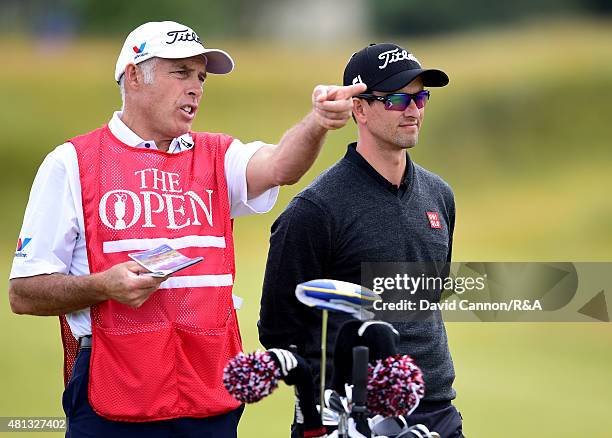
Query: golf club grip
{"type": "Point", "coordinates": [360, 375]}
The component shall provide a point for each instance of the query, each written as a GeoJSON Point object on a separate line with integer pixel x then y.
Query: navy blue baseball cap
{"type": "Point", "coordinates": [389, 67]}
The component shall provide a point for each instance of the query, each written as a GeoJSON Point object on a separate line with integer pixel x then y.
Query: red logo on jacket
{"type": "Point", "coordinates": [434, 220]}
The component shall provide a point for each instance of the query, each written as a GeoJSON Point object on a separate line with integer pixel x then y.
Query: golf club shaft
{"type": "Point", "coordinates": [359, 410]}
{"type": "Point", "coordinates": [323, 360]}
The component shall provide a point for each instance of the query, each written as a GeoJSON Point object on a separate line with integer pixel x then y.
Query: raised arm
{"type": "Point", "coordinates": [286, 162]}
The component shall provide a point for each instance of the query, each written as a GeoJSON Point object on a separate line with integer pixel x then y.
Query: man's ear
{"type": "Point", "coordinates": [359, 111]}
{"type": "Point", "coordinates": [132, 77]}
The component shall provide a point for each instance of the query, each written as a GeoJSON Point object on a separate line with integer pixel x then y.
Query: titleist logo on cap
{"type": "Point", "coordinates": [182, 35]}
{"type": "Point", "coordinates": [391, 56]}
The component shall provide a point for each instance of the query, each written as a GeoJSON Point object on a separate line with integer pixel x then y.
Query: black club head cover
{"type": "Point", "coordinates": [380, 338]}
{"type": "Point", "coordinates": [296, 372]}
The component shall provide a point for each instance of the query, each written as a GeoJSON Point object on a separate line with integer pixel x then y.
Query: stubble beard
{"type": "Point", "coordinates": [406, 141]}
{"type": "Point", "coordinates": [391, 138]}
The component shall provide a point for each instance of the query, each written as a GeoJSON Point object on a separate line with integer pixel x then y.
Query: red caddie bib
{"type": "Point", "coordinates": [165, 359]}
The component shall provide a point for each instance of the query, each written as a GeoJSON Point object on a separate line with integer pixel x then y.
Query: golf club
{"type": "Point", "coordinates": [338, 296]}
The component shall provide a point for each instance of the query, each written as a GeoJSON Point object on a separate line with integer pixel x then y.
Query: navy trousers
{"type": "Point", "coordinates": [82, 421]}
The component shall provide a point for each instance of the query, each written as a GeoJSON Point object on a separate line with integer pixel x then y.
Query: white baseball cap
{"type": "Point", "coordinates": [170, 40]}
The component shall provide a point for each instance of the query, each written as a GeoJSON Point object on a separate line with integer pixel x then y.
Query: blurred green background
{"type": "Point", "coordinates": [522, 134]}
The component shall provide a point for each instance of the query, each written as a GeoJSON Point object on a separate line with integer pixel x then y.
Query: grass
{"type": "Point", "coordinates": [522, 135]}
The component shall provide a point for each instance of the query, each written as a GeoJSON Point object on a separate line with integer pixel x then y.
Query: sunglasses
{"type": "Point", "coordinates": [399, 101]}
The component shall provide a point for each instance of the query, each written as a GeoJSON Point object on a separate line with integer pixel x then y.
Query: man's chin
{"type": "Point", "coordinates": [408, 143]}
{"type": "Point", "coordinates": [182, 128]}
{"type": "Point", "coordinates": [412, 141]}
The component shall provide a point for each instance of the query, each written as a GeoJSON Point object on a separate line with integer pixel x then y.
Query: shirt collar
{"type": "Point", "coordinates": [357, 159]}
{"type": "Point", "coordinates": [130, 138]}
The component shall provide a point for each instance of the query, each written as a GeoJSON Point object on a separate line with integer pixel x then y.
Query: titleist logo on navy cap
{"type": "Point", "coordinates": [391, 56]}
{"type": "Point", "coordinates": [388, 67]}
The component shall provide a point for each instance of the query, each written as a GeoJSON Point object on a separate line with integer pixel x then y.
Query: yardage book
{"type": "Point", "coordinates": [163, 260]}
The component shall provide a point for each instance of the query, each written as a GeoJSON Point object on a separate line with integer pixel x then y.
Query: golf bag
{"type": "Point", "coordinates": [361, 394]}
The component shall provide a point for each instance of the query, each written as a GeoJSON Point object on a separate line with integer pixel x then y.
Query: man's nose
{"type": "Point", "coordinates": [196, 89]}
{"type": "Point", "coordinates": [412, 109]}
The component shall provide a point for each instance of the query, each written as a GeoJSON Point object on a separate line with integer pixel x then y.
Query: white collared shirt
{"type": "Point", "coordinates": [52, 235]}
{"type": "Point", "coordinates": [129, 137]}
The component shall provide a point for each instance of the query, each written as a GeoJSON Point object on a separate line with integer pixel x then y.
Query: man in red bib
{"type": "Point", "coordinates": [152, 350]}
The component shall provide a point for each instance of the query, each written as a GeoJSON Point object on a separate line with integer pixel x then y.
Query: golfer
{"type": "Point", "coordinates": [152, 350]}
{"type": "Point", "coordinates": [374, 205]}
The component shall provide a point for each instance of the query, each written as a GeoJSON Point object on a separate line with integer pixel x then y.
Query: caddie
{"type": "Point", "coordinates": [152, 350]}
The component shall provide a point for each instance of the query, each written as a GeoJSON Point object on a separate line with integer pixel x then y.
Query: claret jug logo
{"type": "Point", "coordinates": [160, 202]}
